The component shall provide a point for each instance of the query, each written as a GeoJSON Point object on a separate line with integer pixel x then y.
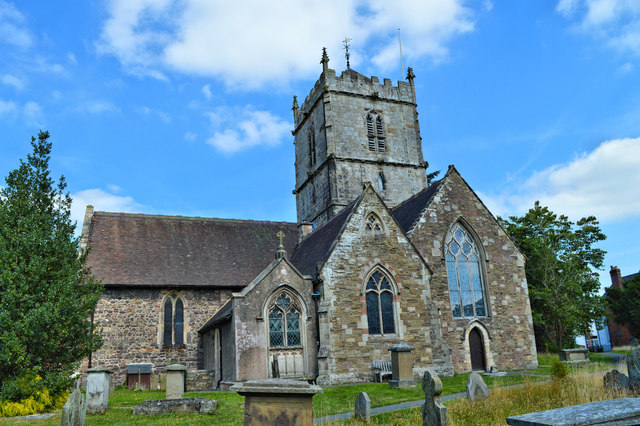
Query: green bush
{"type": "Point", "coordinates": [559, 369]}
{"type": "Point", "coordinates": [39, 402]}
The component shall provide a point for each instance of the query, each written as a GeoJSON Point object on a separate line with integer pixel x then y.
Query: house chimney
{"type": "Point", "coordinates": [84, 237]}
{"type": "Point", "coordinates": [304, 229]}
{"type": "Point", "coordinates": [616, 277]}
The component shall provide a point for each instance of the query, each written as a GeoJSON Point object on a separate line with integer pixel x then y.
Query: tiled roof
{"type": "Point", "coordinates": [316, 247]}
{"type": "Point", "coordinates": [628, 278]}
{"type": "Point", "coordinates": [146, 250]}
{"type": "Point", "coordinates": [221, 315]}
{"type": "Point", "coordinates": [408, 212]}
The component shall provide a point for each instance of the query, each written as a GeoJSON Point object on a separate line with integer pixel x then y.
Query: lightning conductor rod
{"type": "Point", "coordinates": [401, 62]}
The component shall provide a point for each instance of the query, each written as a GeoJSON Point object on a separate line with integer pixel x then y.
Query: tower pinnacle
{"type": "Point", "coordinates": [325, 60]}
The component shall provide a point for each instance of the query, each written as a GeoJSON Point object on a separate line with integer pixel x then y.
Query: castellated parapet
{"type": "Point", "coordinates": [335, 154]}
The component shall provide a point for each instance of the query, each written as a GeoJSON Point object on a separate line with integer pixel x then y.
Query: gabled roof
{"type": "Point", "coordinates": [223, 314]}
{"type": "Point", "coordinates": [317, 246]}
{"type": "Point", "coordinates": [631, 277]}
{"type": "Point", "coordinates": [147, 250]}
{"type": "Point", "coordinates": [410, 210]}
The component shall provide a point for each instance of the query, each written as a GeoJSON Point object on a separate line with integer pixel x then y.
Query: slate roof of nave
{"type": "Point", "coordinates": [410, 210]}
{"type": "Point", "coordinates": [316, 247]}
{"type": "Point", "coordinates": [631, 277]}
{"type": "Point", "coordinates": [149, 250]}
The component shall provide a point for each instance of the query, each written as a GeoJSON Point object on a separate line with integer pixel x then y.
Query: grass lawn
{"type": "Point", "coordinates": [334, 400]}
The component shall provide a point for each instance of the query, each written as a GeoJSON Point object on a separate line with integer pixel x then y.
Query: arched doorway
{"type": "Point", "coordinates": [476, 348]}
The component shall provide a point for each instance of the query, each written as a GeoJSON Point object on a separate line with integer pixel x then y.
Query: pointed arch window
{"type": "Point", "coordinates": [375, 133]}
{"type": "Point", "coordinates": [382, 182]}
{"type": "Point", "coordinates": [373, 225]}
{"type": "Point", "coordinates": [173, 333]}
{"type": "Point", "coordinates": [466, 287]}
{"type": "Point", "coordinates": [312, 146]}
{"type": "Point", "coordinates": [379, 299]}
{"type": "Point", "coordinates": [284, 322]}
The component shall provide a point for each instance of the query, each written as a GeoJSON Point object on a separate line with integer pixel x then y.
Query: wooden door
{"type": "Point", "coordinates": [476, 347]}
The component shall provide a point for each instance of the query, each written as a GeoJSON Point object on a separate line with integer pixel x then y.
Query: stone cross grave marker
{"type": "Point", "coordinates": [433, 412]}
{"type": "Point", "coordinates": [363, 406]}
{"type": "Point", "coordinates": [476, 387]}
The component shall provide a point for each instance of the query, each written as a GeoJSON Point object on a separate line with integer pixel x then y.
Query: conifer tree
{"type": "Point", "coordinates": [47, 294]}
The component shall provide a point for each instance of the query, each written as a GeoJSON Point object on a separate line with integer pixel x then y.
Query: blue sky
{"type": "Point", "coordinates": [184, 107]}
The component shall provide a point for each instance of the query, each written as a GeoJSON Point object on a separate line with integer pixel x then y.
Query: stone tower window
{"type": "Point", "coordinates": [173, 321]}
{"type": "Point", "coordinates": [466, 287]}
{"type": "Point", "coordinates": [382, 182]}
{"type": "Point", "coordinates": [379, 297]}
{"type": "Point", "coordinates": [373, 225]}
{"type": "Point", "coordinates": [375, 132]}
{"type": "Point", "coordinates": [284, 322]}
{"type": "Point", "coordinates": [312, 146]}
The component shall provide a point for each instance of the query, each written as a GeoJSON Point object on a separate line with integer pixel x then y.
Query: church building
{"type": "Point", "coordinates": [378, 257]}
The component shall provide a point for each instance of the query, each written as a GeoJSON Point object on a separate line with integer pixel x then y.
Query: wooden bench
{"type": "Point", "coordinates": [381, 369]}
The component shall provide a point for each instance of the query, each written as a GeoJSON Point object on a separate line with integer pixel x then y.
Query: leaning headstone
{"type": "Point", "coordinates": [74, 410]}
{"type": "Point", "coordinates": [633, 368]}
{"type": "Point", "coordinates": [363, 406]}
{"type": "Point", "coordinates": [615, 381]}
{"type": "Point", "coordinates": [433, 412]}
{"type": "Point", "coordinates": [98, 380]}
{"type": "Point", "coordinates": [634, 342]}
{"type": "Point", "coordinates": [476, 387]}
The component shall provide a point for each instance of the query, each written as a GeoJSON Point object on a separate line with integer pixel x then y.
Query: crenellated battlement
{"type": "Point", "coordinates": [353, 83]}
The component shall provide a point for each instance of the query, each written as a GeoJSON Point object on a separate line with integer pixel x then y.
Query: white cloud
{"type": "Point", "coordinates": [625, 69]}
{"type": "Point", "coordinates": [206, 91]}
{"type": "Point", "coordinates": [97, 107]}
{"type": "Point", "coordinates": [256, 43]}
{"type": "Point", "coordinates": [604, 183]}
{"type": "Point", "coordinates": [12, 26]}
{"type": "Point", "coordinates": [190, 136]}
{"type": "Point", "coordinates": [8, 107]}
{"type": "Point", "coordinates": [102, 201]}
{"type": "Point", "coordinates": [256, 128]}
{"type": "Point", "coordinates": [32, 113]}
{"type": "Point", "coordinates": [150, 111]}
{"type": "Point", "coordinates": [616, 22]}
{"type": "Point", "coordinates": [12, 80]}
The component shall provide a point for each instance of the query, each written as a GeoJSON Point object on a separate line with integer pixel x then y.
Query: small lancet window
{"type": "Point", "coordinates": [466, 288]}
{"type": "Point", "coordinates": [382, 182]}
{"type": "Point", "coordinates": [284, 323]}
{"type": "Point", "coordinates": [173, 333]}
{"type": "Point", "coordinates": [312, 146]}
{"type": "Point", "coordinates": [375, 133]}
{"type": "Point", "coordinates": [379, 299]}
{"type": "Point", "coordinates": [373, 225]}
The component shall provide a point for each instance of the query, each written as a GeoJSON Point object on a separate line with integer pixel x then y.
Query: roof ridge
{"type": "Point", "coordinates": [189, 218]}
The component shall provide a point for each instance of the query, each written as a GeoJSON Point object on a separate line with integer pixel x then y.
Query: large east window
{"type": "Point", "coordinates": [466, 288]}
{"type": "Point", "coordinates": [284, 322]}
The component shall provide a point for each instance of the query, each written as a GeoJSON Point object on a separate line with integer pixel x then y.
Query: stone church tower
{"type": "Point", "coordinates": [351, 130]}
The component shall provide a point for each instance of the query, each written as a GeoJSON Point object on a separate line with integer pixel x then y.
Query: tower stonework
{"type": "Point", "coordinates": [351, 130]}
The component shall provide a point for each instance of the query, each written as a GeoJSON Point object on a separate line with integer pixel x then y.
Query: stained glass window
{"type": "Point", "coordinates": [379, 299]}
{"type": "Point", "coordinates": [466, 289]}
{"type": "Point", "coordinates": [284, 323]}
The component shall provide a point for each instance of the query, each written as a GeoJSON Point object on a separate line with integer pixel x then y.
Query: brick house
{"type": "Point", "coordinates": [378, 257]}
{"type": "Point", "coordinates": [619, 333]}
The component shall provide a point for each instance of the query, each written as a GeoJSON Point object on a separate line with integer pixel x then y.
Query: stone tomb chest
{"type": "Point", "coordinates": [139, 376]}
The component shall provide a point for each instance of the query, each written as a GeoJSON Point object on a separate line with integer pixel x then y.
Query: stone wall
{"type": "Point", "coordinates": [508, 329]}
{"type": "Point", "coordinates": [131, 324]}
{"type": "Point", "coordinates": [347, 348]}
{"type": "Point", "coordinates": [199, 380]}
{"type": "Point", "coordinates": [335, 112]}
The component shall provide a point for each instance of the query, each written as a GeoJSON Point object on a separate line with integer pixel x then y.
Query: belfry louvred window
{"type": "Point", "coordinates": [375, 133]}
{"type": "Point", "coordinates": [379, 299]}
{"type": "Point", "coordinates": [466, 288]}
{"type": "Point", "coordinates": [173, 334]}
{"type": "Point", "coordinates": [284, 322]}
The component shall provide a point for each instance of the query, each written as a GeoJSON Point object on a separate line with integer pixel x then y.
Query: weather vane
{"type": "Point", "coordinates": [346, 50]}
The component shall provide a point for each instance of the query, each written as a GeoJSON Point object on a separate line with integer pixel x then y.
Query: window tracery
{"type": "Point", "coordinates": [375, 132]}
{"type": "Point", "coordinates": [379, 299]}
{"type": "Point", "coordinates": [373, 225]}
{"type": "Point", "coordinates": [284, 322]}
{"type": "Point", "coordinates": [173, 333]}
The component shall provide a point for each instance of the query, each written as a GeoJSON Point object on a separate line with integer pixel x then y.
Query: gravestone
{"type": "Point", "coordinates": [433, 412]}
{"type": "Point", "coordinates": [615, 381]}
{"type": "Point", "coordinates": [634, 342]}
{"type": "Point", "coordinates": [363, 406]}
{"type": "Point", "coordinates": [624, 411]}
{"type": "Point", "coordinates": [180, 406]}
{"type": "Point", "coordinates": [175, 381]}
{"type": "Point", "coordinates": [574, 355]}
{"type": "Point", "coordinates": [476, 387]}
{"type": "Point", "coordinates": [74, 410]}
{"type": "Point", "coordinates": [633, 368]}
{"type": "Point", "coordinates": [401, 368]}
{"type": "Point", "coordinates": [98, 384]}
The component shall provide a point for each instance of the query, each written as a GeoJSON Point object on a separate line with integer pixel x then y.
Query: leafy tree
{"type": "Point", "coordinates": [46, 292]}
{"type": "Point", "coordinates": [563, 287]}
{"type": "Point", "coordinates": [624, 304]}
